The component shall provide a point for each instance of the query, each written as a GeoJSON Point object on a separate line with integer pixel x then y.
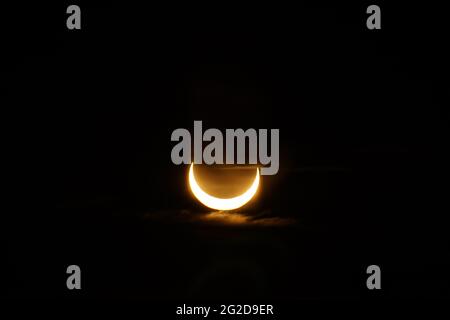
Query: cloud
{"type": "Point", "coordinates": [226, 218]}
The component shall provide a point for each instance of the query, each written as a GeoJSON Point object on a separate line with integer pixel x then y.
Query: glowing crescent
{"type": "Point", "coordinates": [220, 203]}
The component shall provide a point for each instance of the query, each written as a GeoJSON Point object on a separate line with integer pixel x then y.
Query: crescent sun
{"type": "Point", "coordinates": [221, 203]}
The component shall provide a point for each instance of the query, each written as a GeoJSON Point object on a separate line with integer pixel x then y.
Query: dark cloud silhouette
{"type": "Point", "coordinates": [262, 219]}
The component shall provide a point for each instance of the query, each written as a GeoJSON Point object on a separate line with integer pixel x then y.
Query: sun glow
{"type": "Point", "coordinates": [221, 203]}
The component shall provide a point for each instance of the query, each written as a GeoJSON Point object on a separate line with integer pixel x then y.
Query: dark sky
{"type": "Point", "coordinates": [363, 149]}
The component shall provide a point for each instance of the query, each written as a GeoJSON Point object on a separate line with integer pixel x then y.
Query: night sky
{"type": "Point", "coordinates": [363, 178]}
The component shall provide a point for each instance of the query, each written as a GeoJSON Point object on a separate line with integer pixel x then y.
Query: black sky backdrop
{"type": "Point", "coordinates": [363, 150]}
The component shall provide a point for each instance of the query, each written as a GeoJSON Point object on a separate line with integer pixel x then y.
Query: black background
{"type": "Point", "coordinates": [363, 145]}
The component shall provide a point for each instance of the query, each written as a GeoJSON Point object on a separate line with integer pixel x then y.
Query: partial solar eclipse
{"type": "Point", "coordinates": [221, 203]}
